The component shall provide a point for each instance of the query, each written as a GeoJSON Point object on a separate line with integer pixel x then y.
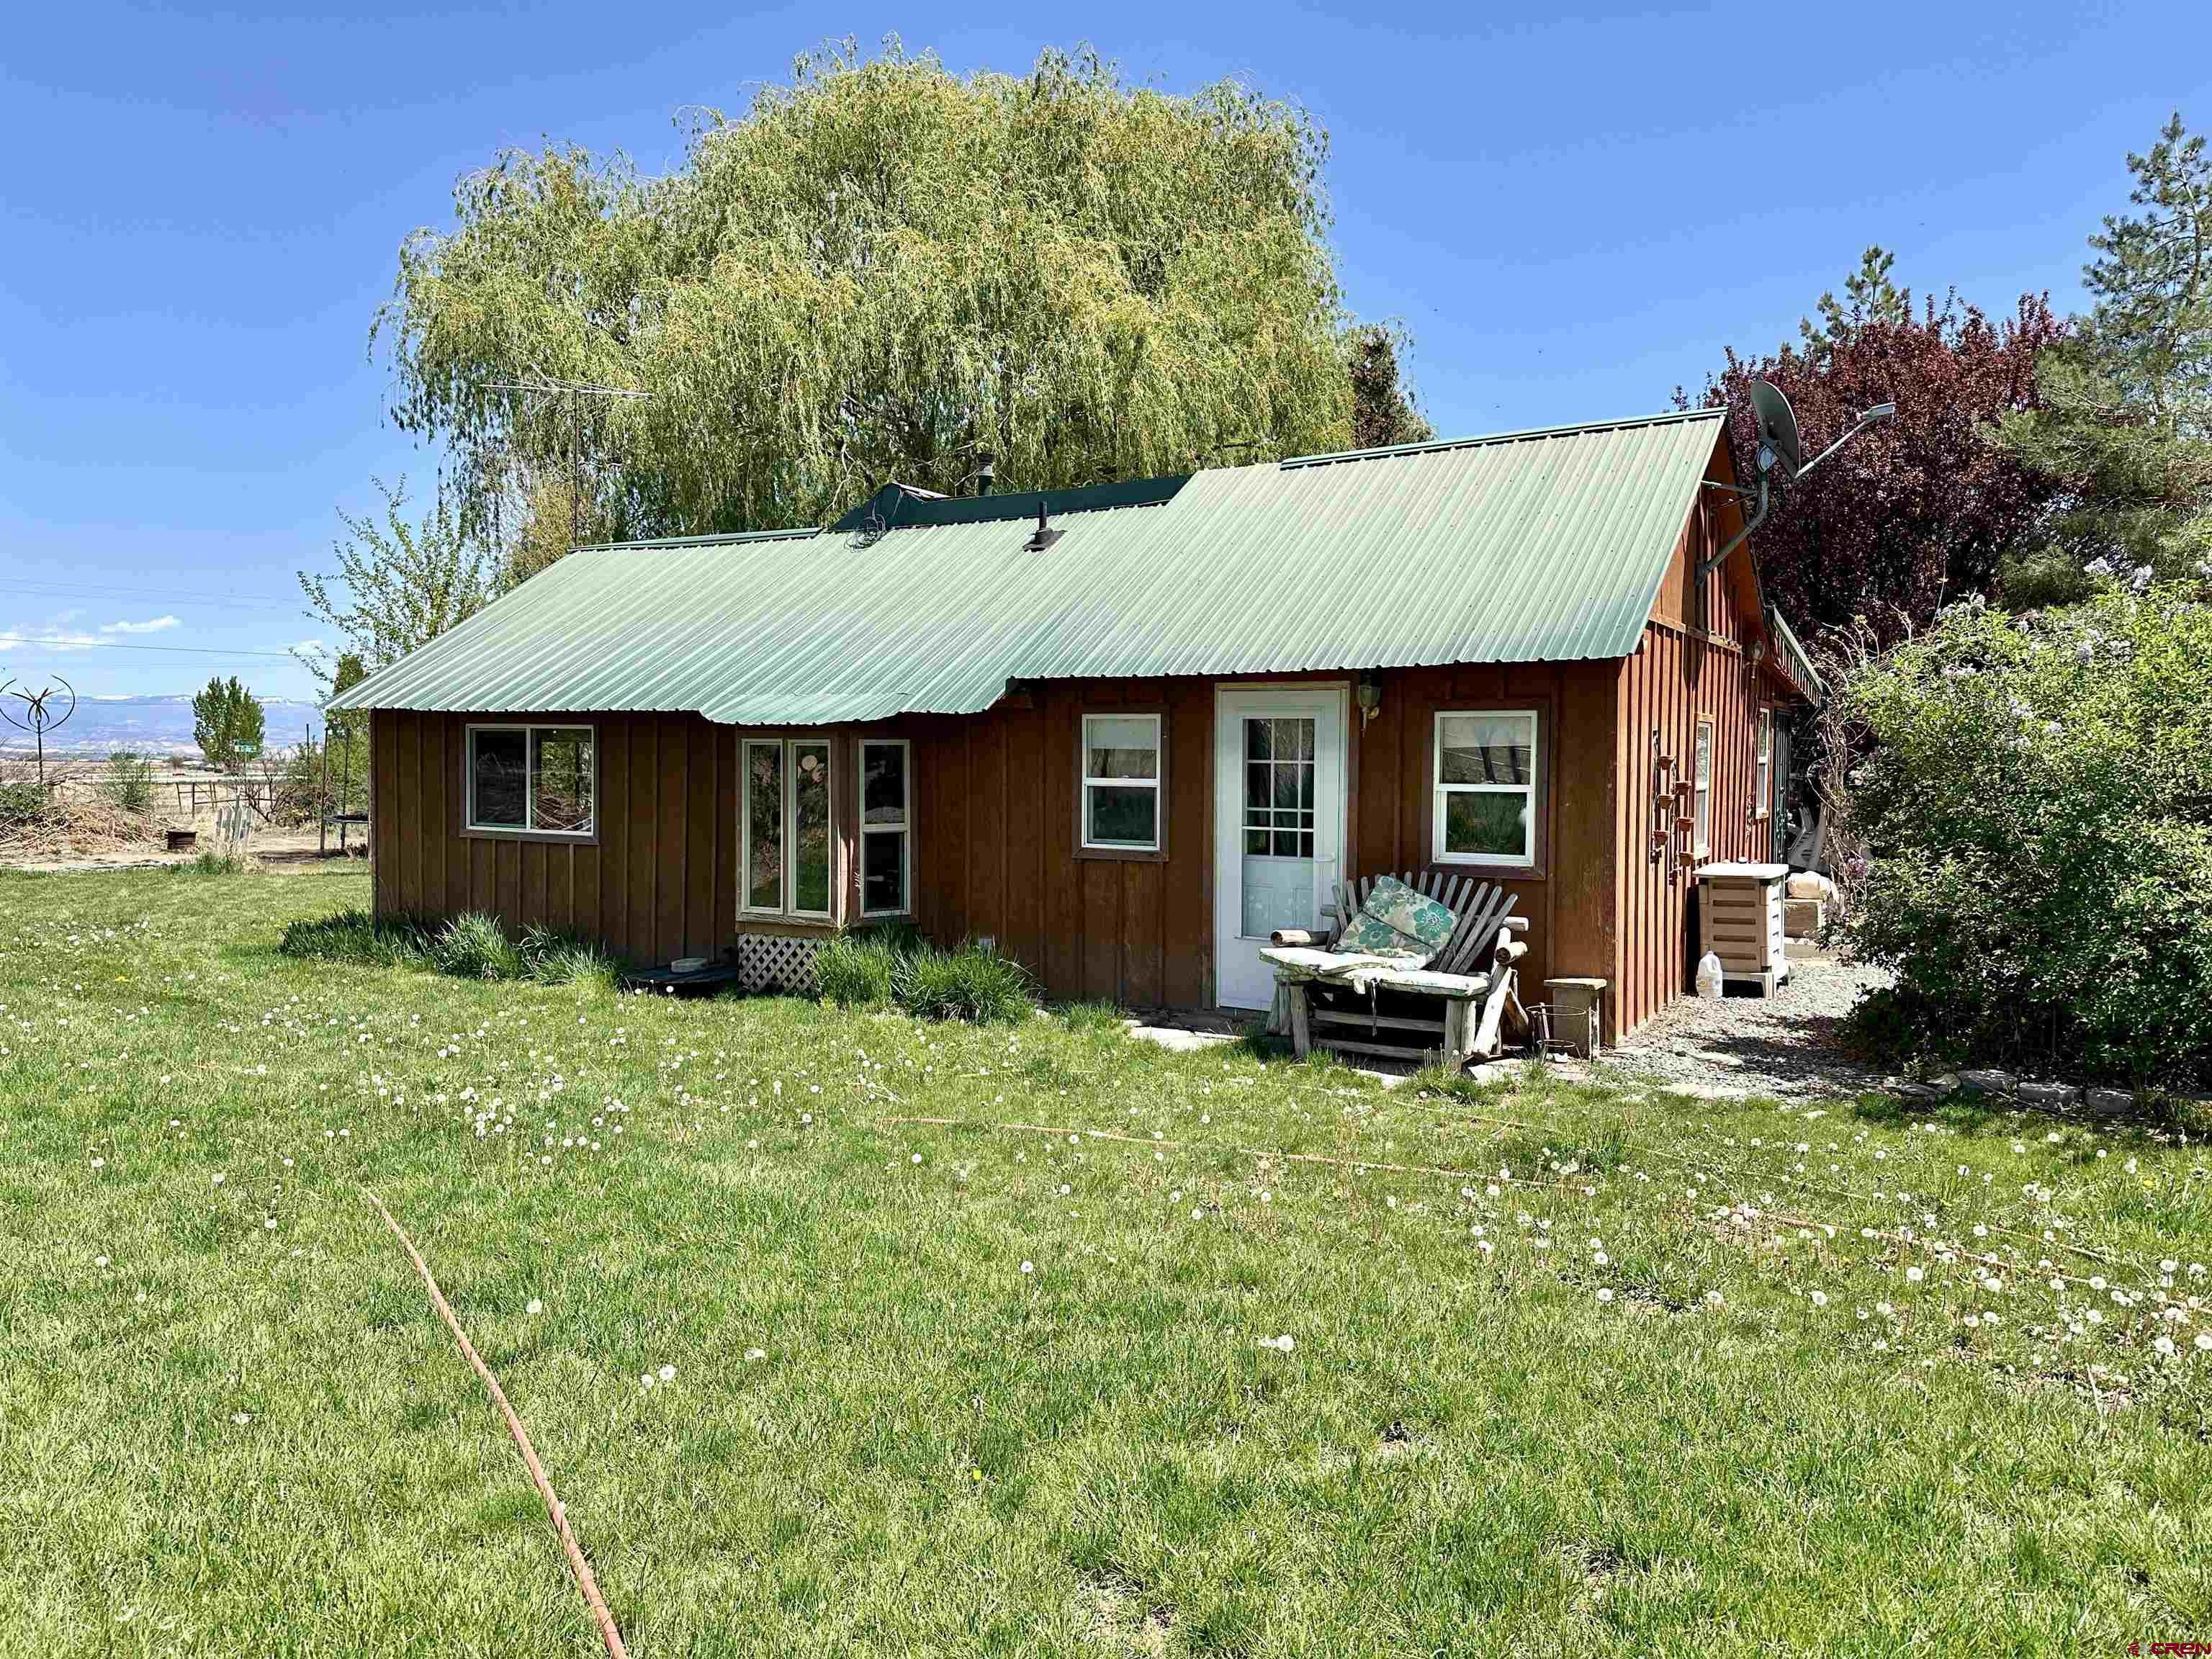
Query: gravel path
{"type": "Point", "coordinates": [1783, 1045]}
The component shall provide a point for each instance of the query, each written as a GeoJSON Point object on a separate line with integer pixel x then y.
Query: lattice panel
{"type": "Point", "coordinates": [770, 961]}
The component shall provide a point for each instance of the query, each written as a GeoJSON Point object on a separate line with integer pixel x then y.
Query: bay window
{"type": "Point", "coordinates": [886, 827]}
{"type": "Point", "coordinates": [785, 859]}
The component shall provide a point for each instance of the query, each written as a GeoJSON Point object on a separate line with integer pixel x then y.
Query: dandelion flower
{"type": "Point", "coordinates": [645, 1380]}
{"type": "Point", "coordinates": [668, 1373]}
{"type": "Point", "coordinates": [1914, 1275]}
{"type": "Point", "coordinates": [753, 1356]}
{"type": "Point", "coordinates": [1712, 1299]}
{"type": "Point", "coordinates": [535, 1306]}
{"type": "Point", "coordinates": [1029, 1267]}
{"type": "Point", "coordinates": [1604, 1294]}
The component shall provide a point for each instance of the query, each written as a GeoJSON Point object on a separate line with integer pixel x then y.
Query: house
{"type": "Point", "coordinates": [1125, 730]}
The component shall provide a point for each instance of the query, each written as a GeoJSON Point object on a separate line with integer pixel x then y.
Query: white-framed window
{"type": "Point", "coordinates": [886, 827]}
{"type": "Point", "coordinates": [1702, 782]}
{"type": "Point", "coordinates": [1762, 801]}
{"type": "Point", "coordinates": [533, 780]}
{"type": "Point", "coordinates": [1484, 778]}
{"type": "Point", "coordinates": [1122, 777]}
{"type": "Point", "coordinates": [785, 862]}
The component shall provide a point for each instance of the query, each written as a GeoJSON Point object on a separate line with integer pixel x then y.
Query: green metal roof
{"type": "Point", "coordinates": [1536, 546]}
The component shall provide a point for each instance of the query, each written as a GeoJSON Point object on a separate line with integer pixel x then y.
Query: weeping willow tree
{"type": "Point", "coordinates": [880, 271]}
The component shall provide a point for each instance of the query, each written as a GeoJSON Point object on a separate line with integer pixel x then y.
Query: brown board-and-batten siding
{"type": "Point", "coordinates": [996, 799]}
{"type": "Point", "coordinates": [1690, 664]}
{"type": "Point", "coordinates": [657, 880]}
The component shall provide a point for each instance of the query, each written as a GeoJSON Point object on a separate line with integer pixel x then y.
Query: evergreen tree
{"type": "Point", "coordinates": [2125, 425]}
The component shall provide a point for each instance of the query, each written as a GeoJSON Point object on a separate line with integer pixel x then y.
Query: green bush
{"type": "Point", "coordinates": [474, 945]}
{"type": "Point", "coordinates": [2033, 799]}
{"type": "Point", "coordinates": [21, 803]}
{"type": "Point", "coordinates": [974, 983]}
{"type": "Point", "coordinates": [130, 782]}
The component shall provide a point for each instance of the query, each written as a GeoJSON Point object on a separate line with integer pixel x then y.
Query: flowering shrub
{"type": "Point", "coordinates": [2032, 798]}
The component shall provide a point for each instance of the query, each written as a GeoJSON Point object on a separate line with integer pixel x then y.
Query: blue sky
{"type": "Point", "coordinates": [1573, 209]}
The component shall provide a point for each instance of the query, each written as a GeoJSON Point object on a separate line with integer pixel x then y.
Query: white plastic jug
{"type": "Point", "coordinates": [1709, 977]}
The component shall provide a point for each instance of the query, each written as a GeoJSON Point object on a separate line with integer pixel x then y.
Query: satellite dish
{"type": "Point", "coordinates": [1777, 427]}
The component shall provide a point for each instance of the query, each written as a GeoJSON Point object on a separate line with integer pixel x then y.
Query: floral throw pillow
{"type": "Point", "coordinates": [1397, 922]}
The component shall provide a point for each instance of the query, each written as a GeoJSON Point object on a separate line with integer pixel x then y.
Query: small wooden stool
{"type": "Point", "coordinates": [1577, 1014]}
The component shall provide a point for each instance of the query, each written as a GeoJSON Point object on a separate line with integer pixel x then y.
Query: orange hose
{"type": "Point", "coordinates": [577, 1564]}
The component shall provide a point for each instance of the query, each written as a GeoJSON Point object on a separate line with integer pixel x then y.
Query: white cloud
{"type": "Point", "coordinates": [307, 648]}
{"type": "Point", "coordinates": [153, 625]}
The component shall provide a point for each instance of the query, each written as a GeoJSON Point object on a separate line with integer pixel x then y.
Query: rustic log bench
{"type": "Point", "coordinates": [1453, 1009]}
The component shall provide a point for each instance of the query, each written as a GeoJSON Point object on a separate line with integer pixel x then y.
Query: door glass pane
{"type": "Point", "coordinates": [764, 826]}
{"type": "Point", "coordinates": [1485, 820]}
{"type": "Point", "coordinates": [561, 779]}
{"type": "Point", "coordinates": [809, 827]}
{"type": "Point", "coordinates": [1486, 748]}
{"type": "Point", "coordinates": [497, 760]}
{"type": "Point", "coordinates": [1278, 868]}
{"type": "Point", "coordinates": [1120, 816]}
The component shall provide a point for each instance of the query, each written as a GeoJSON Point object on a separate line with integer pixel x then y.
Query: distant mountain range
{"type": "Point", "coordinates": [157, 726]}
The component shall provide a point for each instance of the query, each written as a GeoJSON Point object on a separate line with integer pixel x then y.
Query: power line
{"type": "Point", "coordinates": [17, 641]}
{"type": "Point", "coordinates": [125, 589]}
{"type": "Point", "coordinates": [166, 595]}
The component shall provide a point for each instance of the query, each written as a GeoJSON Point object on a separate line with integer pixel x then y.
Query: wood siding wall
{"type": "Point", "coordinates": [1690, 664]}
{"type": "Point", "coordinates": [996, 803]}
{"type": "Point", "coordinates": [659, 881]}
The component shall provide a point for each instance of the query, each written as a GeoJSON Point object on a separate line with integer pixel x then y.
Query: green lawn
{"type": "Point", "coordinates": [964, 1389]}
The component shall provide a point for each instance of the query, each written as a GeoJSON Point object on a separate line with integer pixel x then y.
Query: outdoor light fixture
{"type": "Point", "coordinates": [1369, 693]}
{"type": "Point", "coordinates": [1778, 445]}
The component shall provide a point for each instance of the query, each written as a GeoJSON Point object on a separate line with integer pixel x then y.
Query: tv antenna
{"type": "Point", "coordinates": [1780, 447]}
{"type": "Point", "coordinates": [39, 717]}
{"type": "Point", "coordinates": [544, 386]}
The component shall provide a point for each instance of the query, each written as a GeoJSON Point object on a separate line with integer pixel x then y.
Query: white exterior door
{"type": "Point", "coordinates": [1278, 825]}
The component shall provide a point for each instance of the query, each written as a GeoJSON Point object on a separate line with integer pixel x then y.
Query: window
{"type": "Point", "coordinates": [886, 823]}
{"type": "Point", "coordinates": [785, 858]}
{"type": "Point", "coordinates": [1762, 801]}
{"type": "Point", "coordinates": [1703, 841]}
{"type": "Point", "coordinates": [1121, 782]}
{"type": "Point", "coordinates": [531, 779]}
{"type": "Point", "coordinates": [1485, 787]}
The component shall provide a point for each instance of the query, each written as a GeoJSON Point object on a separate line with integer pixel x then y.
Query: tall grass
{"type": "Point", "coordinates": [470, 947]}
{"type": "Point", "coordinates": [888, 967]}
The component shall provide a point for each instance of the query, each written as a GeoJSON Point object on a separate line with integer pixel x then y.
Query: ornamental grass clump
{"type": "Point", "coordinates": [2032, 792]}
{"type": "Point", "coordinates": [854, 970]}
{"type": "Point", "coordinates": [474, 945]}
{"type": "Point", "coordinates": [974, 983]}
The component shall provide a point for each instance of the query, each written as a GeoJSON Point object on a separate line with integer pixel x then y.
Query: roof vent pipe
{"type": "Point", "coordinates": [985, 475]}
{"type": "Point", "coordinates": [1044, 536]}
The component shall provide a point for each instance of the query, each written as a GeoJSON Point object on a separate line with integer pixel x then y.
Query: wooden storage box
{"type": "Point", "coordinates": [1740, 921]}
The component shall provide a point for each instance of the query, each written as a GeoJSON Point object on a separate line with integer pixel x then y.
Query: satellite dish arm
{"type": "Point", "coordinates": [1873, 417]}
{"type": "Point", "coordinates": [1743, 535]}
